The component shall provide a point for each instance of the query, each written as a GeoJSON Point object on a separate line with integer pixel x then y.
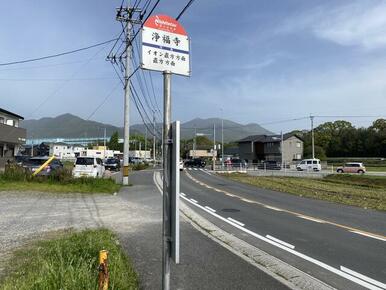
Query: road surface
{"type": "Point", "coordinates": [341, 245]}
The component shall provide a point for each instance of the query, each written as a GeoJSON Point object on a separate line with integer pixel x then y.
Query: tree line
{"type": "Point", "coordinates": [342, 139]}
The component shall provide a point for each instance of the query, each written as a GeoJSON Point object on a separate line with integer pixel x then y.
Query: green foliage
{"type": "Point", "coordinates": [319, 152]}
{"type": "Point", "coordinates": [114, 142]}
{"type": "Point", "coordinates": [140, 166]}
{"type": "Point", "coordinates": [16, 178]}
{"type": "Point", "coordinates": [69, 262]}
{"type": "Point", "coordinates": [341, 139]}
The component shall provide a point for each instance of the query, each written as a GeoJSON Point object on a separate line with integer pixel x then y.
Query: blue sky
{"type": "Point", "coordinates": [252, 61]}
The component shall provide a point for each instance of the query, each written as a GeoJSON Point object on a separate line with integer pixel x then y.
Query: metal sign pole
{"type": "Point", "coordinates": [167, 155]}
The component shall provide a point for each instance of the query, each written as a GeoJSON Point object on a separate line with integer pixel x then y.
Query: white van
{"type": "Point", "coordinates": [88, 167]}
{"type": "Point", "coordinates": [309, 164]}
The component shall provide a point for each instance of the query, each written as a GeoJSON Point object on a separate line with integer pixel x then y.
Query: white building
{"type": "Point", "coordinates": [65, 151]}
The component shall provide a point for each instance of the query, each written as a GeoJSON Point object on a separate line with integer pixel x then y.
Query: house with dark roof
{"type": "Point", "coordinates": [11, 136]}
{"type": "Point", "coordinates": [257, 148]}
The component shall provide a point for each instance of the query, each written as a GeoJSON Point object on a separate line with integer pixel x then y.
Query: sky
{"type": "Point", "coordinates": [252, 61]}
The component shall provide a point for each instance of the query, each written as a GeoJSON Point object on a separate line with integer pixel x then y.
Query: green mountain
{"type": "Point", "coordinates": [70, 126]}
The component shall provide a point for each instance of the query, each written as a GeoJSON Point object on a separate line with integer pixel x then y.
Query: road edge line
{"type": "Point", "coordinates": [288, 275]}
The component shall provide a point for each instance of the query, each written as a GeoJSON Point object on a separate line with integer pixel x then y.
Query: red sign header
{"type": "Point", "coordinates": [165, 23]}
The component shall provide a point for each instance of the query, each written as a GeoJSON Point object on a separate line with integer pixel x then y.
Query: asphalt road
{"type": "Point", "coordinates": [341, 245]}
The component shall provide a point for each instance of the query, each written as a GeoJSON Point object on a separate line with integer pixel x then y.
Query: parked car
{"type": "Point", "coordinates": [135, 160]}
{"type": "Point", "coordinates": [34, 163]}
{"type": "Point", "coordinates": [196, 162]}
{"type": "Point", "coordinates": [352, 167]}
{"type": "Point", "coordinates": [88, 167]}
{"type": "Point", "coordinates": [309, 164]}
{"type": "Point", "coordinates": [112, 164]}
{"type": "Point", "coordinates": [238, 163]}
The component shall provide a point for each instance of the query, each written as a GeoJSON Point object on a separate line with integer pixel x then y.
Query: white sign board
{"type": "Point", "coordinates": [165, 46]}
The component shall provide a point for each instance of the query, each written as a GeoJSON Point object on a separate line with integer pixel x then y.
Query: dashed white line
{"type": "Point", "coordinates": [193, 200]}
{"type": "Point", "coordinates": [281, 242]}
{"type": "Point", "coordinates": [363, 277]}
{"type": "Point", "coordinates": [190, 168]}
{"type": "Point", "coordinates": [292, 251]}
{"type": "Point", "coordinates": [370, 236]}
{"type": "Point", "coordinates": [183, 194]}
{"type": "Point", "coordinates": [311, 219]}
{"type": "Point", "coordinates": [211, 209]}
{"type": "Point", "coordinates": [236, 222]}
{"type": "Point", "coordinates": [195, 168]}
{"type": "Point", "coordinates": [273, 208]}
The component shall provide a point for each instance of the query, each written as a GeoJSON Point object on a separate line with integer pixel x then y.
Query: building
{"type": "Point", "coordinates": [12, 137]}
{"type": "Point", "coordinates": [257, 148]}
{"type": "Point", "coordinates": [65, 151]}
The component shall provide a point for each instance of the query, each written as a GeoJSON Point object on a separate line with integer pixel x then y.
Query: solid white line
{"type": "Point", "coordinates": [281, 242]}
{"type": "Point", "coordinates": [155, 181]}
{"type": "Point", "coordinates": [211, 209]}
{"type": "Point", "coordinates": [236, 222]}
{"type": "Point", "coordinates": [183, 194]}
{"type": "Point", "coordinates": [311, 219]}
{"type": "Point", "coordinates": [271, 207]}
{"type": "Point", "coordinates": [363, 277]}
{"type": "Point", "coordinates": [292, 251]}
{"type": "Point", "coordinates": [367, 235]}
{"type": "Point", "coordinates": [193, 200]}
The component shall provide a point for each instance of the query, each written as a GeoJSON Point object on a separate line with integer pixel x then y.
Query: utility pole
{"type": "Point", "coordinates": [282, 149]}
{"type": "Point", "coordinates": [125, 16]}
{"type": "Point", "coordinates": [312, 136]}
{"type": "Point", "coordinates": [145, 142]}
{"type": "Point", "coordinates": [104, 143]}
{"type": "Point", "coordinates": [194, 142]}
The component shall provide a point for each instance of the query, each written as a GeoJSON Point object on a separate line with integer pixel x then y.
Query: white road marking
{"type": "Point", "coordinates": [281, 242]}
{"type": "Point", "coordinates": [311, 219]}
{"type": "Point", "coordinates": [363, 277]}
{"type": "Point", "coordinates": [271, 207]}
{"type": "Point", "coordinates": [370, 236]}
{"type": "Point", "coordinates": [190, 168]}
{"type": "Point", "coordinates": [195, 168]}
{"type": "Point", "coordinates": [292, 251]}
{"type": "Point", "coordinates": [247, 200]}
{"type": "Point", "coordinates": [211, 209]}
{"type": "Point", "coordinates": [236, 222]}
{"type": "Point", "coordinates": [193, 200]}
{"type": "Point", "coordinates": [156, 176]}
{"type": "Point", "coordinates": [183, 194]}
{"type": "Point", "coordinates": [206, 171]}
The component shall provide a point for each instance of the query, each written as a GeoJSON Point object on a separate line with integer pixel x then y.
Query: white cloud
{"type": "Point", "coordinates": [360, 23]}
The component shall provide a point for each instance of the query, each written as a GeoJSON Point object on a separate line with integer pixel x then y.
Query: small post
{"type": "Point", "coordinates": [103, 276]}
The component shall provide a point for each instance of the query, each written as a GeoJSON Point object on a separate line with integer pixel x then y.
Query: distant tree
{"type": "Point", "coordinates": [319, 152]}
{"type": "Point", "coordinates": [114, 141]}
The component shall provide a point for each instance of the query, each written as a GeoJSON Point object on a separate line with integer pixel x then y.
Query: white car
{"type": "Point", "coordinates": [309, 165]}
{"type": "Point", "coordinates": [181, 165]}
{"type": "Point", "coordinates": [88, 167]}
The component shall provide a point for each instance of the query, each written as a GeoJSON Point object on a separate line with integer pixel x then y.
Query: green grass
{"type": "Point", "coordinates": [16, 178]}
{"type": "Point", "coordinates": [81, 185]}
{"type": "Point", "coordinates": [69, 261]}
{"type": "Point", "coordinates": [376, 169]}
{"type": "Point", "coordinates": [358, 190]}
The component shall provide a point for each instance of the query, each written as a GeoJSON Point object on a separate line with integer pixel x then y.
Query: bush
{"type": "Point", "coordinates": [15, 172]}
{"type": "Point", "coordinates": [140, 166]}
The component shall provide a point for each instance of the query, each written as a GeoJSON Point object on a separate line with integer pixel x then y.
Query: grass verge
{"type": "Point", "coordinates": [358, 190]}
{"type": "Point", "coordinates": [16, 178]}
{"type": "Point", "coordinates": [69, 262]}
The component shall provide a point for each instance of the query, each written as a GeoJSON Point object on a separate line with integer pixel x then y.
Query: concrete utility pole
{"type": "Point", "coordinates": [194, 142]}
{"type": "Point", "coordinates": [312, 136]}
{"type": "Point", "coordinates": [222, 142]}
{"type": "Point", "coordinates": [167, 155]}
{"type": "Point", "coordinates": [126, 130]}
{"type": "Point", "coordinates": [145, 141]}
{"type": "Point", "coordinates": [282, 149]}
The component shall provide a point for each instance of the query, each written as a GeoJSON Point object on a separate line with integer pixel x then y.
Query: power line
{"type": "Point", "coordinates": [58, 54]}
{"type": "Point", "coordinates": [185, 8]}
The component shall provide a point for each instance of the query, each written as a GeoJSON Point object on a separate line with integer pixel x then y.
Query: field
{"type": "Point", "coordinates": [69, 261]}
{"type": "Point", "coordinates": [358, 190]}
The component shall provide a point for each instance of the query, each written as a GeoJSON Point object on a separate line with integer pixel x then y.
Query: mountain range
{"type": "Point", "coordinates": [71, 126]}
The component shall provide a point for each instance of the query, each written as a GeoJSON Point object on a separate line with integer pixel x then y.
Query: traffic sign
{"type": "Point", "coordinates": [165, 46]}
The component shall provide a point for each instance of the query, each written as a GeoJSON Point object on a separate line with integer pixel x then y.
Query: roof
{"type": "Point", "coordinates": [10, 113]}
{"type": "Point", "coordinates": [268, 138]}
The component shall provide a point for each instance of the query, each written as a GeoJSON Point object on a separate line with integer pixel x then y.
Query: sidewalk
{"type": "Point", "coordinates": [204, 263]}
